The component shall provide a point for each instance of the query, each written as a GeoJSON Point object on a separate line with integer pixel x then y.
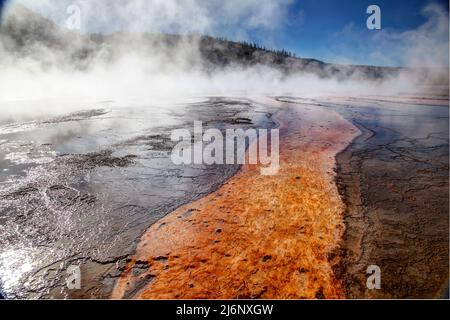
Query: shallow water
{"type": "Point", "coordinates": [80, 188]}
{"type": "Point", "coordinates": [394, 179]}
{"type": "Point", "coordinates": [403, 164]}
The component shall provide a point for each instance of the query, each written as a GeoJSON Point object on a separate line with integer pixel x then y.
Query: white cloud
{"type": "Point", "coordinates": [231, 18]}
{"type": "Point", "coordinates": [425, 46]}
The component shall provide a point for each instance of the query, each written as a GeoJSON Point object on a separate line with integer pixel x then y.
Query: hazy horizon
{"type": "Point", "coordinates": [408, 30]}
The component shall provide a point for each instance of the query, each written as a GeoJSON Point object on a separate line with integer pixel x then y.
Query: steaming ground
{"type": "Point", "coordinates": [43, 61]}
{"type": "Point", "coordinates": [84, 148]}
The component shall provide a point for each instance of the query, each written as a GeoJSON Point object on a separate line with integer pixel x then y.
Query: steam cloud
{"type": "Point", "coordinates": [233, 18]}
{"type": "Point", "coordinates": [129, 66]}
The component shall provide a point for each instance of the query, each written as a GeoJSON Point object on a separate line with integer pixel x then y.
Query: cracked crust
{"type": "Point", "coordinates": [396, 189]}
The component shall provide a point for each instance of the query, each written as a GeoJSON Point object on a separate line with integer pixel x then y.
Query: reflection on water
{"type": "Point", "coordinates": [394, 179]}
{"type": "Point", "coordinates": [80, 188]}
{"type": "Point", "coordinates": [15, 264]}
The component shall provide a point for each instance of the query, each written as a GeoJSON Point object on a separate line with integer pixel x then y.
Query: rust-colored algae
{"type": "Point", "coordinates": [257, 236]}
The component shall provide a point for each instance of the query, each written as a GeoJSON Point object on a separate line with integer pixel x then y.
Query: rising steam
{"type": "Point", "coordinates": [120, 53]}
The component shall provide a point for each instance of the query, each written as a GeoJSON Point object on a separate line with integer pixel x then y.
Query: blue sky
{"type": "Point", "coordinates": [320, 32]}
{"type": "Point", "coordinates": [413, 31]}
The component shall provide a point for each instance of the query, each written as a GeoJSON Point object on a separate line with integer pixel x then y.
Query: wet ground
{"type": "Point", "coordinates": [398, 201]}
{"type": "Point", "coordinates": [258, 236]}
{"type": "Point", "coordinates": [394, 179]}
{"type": "Point", "coordinates": [80, 188]}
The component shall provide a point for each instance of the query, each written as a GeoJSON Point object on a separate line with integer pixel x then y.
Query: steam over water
{"type": "Point", "coordinates": [85, 121]}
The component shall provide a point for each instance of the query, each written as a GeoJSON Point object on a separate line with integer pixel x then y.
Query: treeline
{"type": "Point", "coordinates": [253, 45]}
